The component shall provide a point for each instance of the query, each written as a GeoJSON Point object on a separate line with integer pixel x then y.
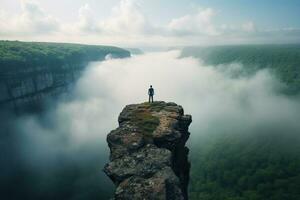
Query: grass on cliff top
{"type": "Point", "coordinates": [144, 119]}
{"type": "Point", "coordinates": [153, 107]}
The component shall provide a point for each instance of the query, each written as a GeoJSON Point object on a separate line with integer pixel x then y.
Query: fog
{"type": "Point", "coordinates": [62, 151]}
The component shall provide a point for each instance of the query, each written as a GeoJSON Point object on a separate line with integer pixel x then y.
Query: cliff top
{"type": "Point", "coordinates": [16, 56]}
{"type": "Point", "coordinates": [148, 157]}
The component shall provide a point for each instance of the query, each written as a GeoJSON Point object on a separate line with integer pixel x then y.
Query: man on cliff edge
{"type": "Point", "coordinates": [151, 94]}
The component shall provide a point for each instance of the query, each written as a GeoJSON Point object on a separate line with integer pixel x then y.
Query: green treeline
{"type": "Point", "coordinates": [283, 60]}
{"type": "Point", "coordinates": [21, 56]}
{"type": "Point", "coordinates": [246, 167]}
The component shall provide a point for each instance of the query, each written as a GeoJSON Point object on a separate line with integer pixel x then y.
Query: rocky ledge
{"type": "Point", "coordinates": [148, 157]}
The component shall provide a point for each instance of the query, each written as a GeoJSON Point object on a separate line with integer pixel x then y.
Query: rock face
{"type": "Point", "coordinates": [27, 90]}
{"type": "Point", "coordinates": [148, 157]}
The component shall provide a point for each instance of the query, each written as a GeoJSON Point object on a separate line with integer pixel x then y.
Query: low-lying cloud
{"type": "Point", "coordinates": [74, 133]}
{"type": "Point", "coordinates": [215, 99]}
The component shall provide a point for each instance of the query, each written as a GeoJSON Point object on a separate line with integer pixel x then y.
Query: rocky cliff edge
{"type": "Point", "coordinates": [148, 157]}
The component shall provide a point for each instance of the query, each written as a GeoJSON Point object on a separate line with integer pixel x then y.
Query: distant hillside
{"type": "Point", "coordinates": [30, 71]}
{"type": "Point", "coordinates": [283, 60]}
{"type": "Point", "coordinates": [135, 51]}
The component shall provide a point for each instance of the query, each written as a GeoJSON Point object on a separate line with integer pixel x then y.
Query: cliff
{"type": "Point", "coordinates": [30, 72]}
{"type": "Point", "coordinates": [148, 157]}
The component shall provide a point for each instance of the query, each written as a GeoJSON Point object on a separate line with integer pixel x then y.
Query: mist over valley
{"type": "Point", "coordinates": [59, 152]}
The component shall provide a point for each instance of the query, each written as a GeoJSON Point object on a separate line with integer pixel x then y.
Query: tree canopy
{"type": "Point", "coordinates": [20, 56]}
{"type": "Point", "coordinates": [246, 167]}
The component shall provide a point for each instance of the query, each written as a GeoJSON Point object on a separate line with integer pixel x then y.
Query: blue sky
{"type": "Point", "coordinates": [266, 13]}
{"type": "Point", "coordinates": [133, 22]}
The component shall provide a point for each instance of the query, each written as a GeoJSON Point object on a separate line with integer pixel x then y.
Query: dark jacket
{"type": "Point", "coordinates": [151, 91]}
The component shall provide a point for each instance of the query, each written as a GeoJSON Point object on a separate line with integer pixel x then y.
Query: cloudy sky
{"type": "Point", "coordinates": [151, 23]}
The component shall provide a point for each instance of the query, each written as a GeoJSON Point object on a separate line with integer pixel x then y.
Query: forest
{"type": "Point", "coordinates": [282, 60]}
{"type": "Point", "coordinates": [246, 167]}
{"type": "Point", "coordinates": [22, 56]}
{"type": "Point", "coordinates": [258, 165]}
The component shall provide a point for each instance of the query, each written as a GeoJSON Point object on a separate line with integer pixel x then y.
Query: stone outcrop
{"type": "Point", "coordinates": [148, 157]}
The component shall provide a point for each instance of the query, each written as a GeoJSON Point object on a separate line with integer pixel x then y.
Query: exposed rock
{"type": "Point", "coordinates": [148, 157]}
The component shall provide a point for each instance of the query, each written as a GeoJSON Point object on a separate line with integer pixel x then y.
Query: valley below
{"type": "Point", "coordinates": [59, 101]}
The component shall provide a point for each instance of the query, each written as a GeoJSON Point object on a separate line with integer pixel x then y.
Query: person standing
{"type": "Point", "coordinates": [151, 94]}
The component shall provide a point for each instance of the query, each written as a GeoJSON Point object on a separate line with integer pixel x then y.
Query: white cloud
{"type": "Point", "coordinates": [249, 27]}
{"type": "Point", "coordinates": [199, 23]}
{"type": "Point", "coordinates": [32, 20]}
{"type": "Point", "coordinates": [86, 20]}
{"type": "Point", "coordinates": [126, 18]}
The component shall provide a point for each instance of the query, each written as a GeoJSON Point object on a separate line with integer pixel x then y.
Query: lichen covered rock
{"type": "Point", "coordinates": [148, 157]}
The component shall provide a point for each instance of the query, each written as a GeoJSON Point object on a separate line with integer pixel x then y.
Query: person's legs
{"type": "Point", "coordinates": [152, 99]}
{"type": "Point", "coordinates": [149, 98]}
